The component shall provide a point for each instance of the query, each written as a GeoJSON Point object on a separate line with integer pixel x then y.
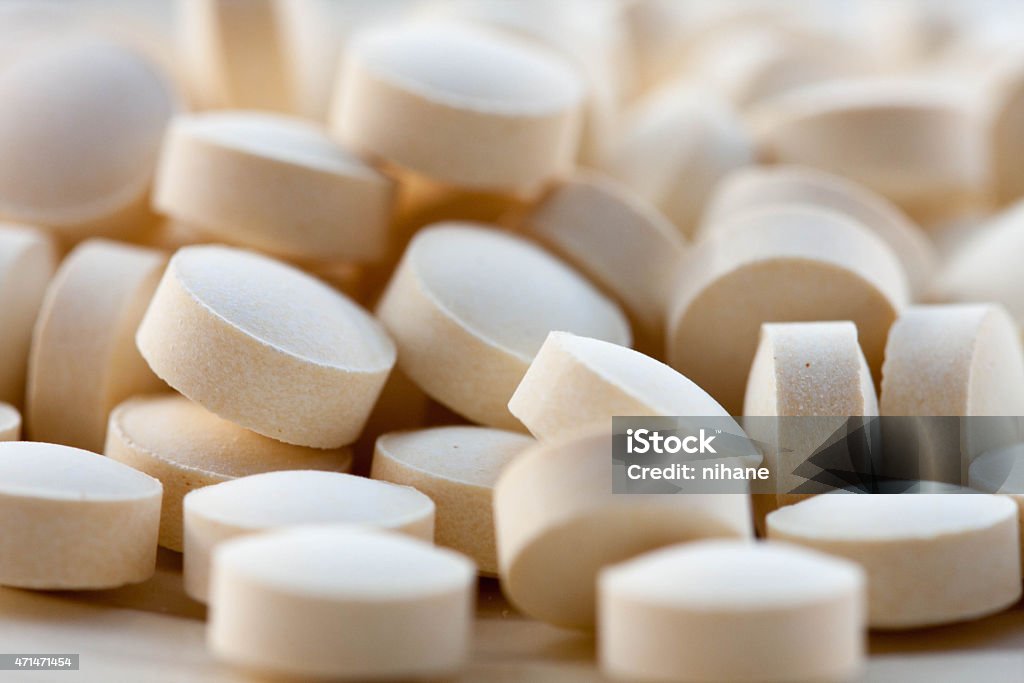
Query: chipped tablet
{"type": "Point", "coordinates": [930, 558]}
{"type": "Point", "coordinates": [74, 520]}
{"type": "Point", "coordinates": [187, 447]}
{"type": "Point", "coordinates": [469, 307]}
{"type": "Point", "coordinates": [731, 611]}
{"type": "Point", "coordinates": [342, 604]}
{"type": "Point", "coordinates": [266, 346]}
{"type": "Point", "coordinates": [262, 502]}
{"type": "Point", "coordinates": [458, 468]}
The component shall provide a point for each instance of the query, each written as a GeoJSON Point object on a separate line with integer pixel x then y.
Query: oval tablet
{"type": "Point", "coordinates": [728, 611]}
{"type": "Point", "coordinates": [10, 423]}
{"type": "Point", "coordinates": [578, 381]}
{"type": "Point", "coordinates": [27, 261]}
{"type": "Point", "coordinates": [81, 129]}
{"type": "Point", "coordinates": [617, 240]}
{"type": "Point", "coordinates": [759, 187]}
{"type": "Point", "coordinates": [919, 144]}
{"type": "Point", "coordinates": [556, 494]}
{"type": "Point", "coordinates": [261, 502]}
{"type": "Point", "coordinates": [74, 520]}
{"type": "Point", "coordinates": [469, 307]}
{"type": "Point", "coordinates": [460, 105]}
{"type": "Point", "coordinates": [275, 183]}
{"type": "Point", "coordinates": [930, 558]}
{"type": "Point", "coordinates": [187, 447]}
{"type": "Point", "coordinates": [342, 604]}
{"type": "Point", "coordinates": [266, 346]}
{"type": "Point", "coordinates": [458, 468]}
{"type": "Point", "coordinates": [84, 361]}
{"type": "Point", "coordinates": [778, 265]}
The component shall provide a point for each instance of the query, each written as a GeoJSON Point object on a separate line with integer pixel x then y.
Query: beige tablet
{"type": "Point", "coordinates": [559, 492]}
{"type": "Point", "coordinates": [458, 468]}
{"type": "Point", "coordinates": [470, 306]}
{"type": "Point", "coordinates": [461, 105]}
{"type": "Point", "coordinates": [759, 187]}
{"type": "Point", "coordinates": [74, 520]}
{"type": "Point", "coordinates": [930, 559]}
{"type": "Point", "coordinates": [262, 502]}
{"type": "Point", "coordinates": [617, 240]}
{"type": "Point", "coordinates": [1006, 131]}
{"type": "Point", "coordinates": [730, 611]}
{"type": "Point", "coordinates": [10, 423]}
{"type": "Point", "coordinates": [675, 147]}
{"type": "Point", "coordinates": [187, 447]}
{"type": "Point", "coordinates": [265, 345]}
{"type": "Point", "coordinates": [782, 264]}
{"type": "Point", "coordinates": [78, 159]}
{"type": "Point", "coordinates": [341, 604]}
{"type": "Point", "coordinates": [917, 143]}
{"type": "Point", "coordinates": [27, 261]}
{"type": "Point", "coordinates": [275, 183]}
{"type": "Point", "coordinates": [84, 361]}
{"type": "Point", "coordinates": [576, 382]}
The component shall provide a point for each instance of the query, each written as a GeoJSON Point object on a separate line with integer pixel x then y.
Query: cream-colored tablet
{"type": "Point", "coordinates": [341, 604]}
{"type": "Point", "coordinates": [460, 105]}
{"type": "Point", "coordinates": [233, 53]}
{"type": "Point", "coordinates": [558, 493]}
{"type": "Point", "coordinates": [187, 447]}
{"type": "Point", "coordinates": [578, 381]}
{"type": "Point", "coordinates": [930, 558]}
{"type": "Point", "coordinates": [675, 147]}
{"type": "Point", "coordinates": [984, 264]}
{"type": "Point", "coordinates": [10, 423]}
{"type": "Point", "coordinates": [266, 346]}
{"type": "Point", "coordinates": [1002, 471]}
{"type": "Point", "coordinates": [469, 307]}
{"type": "Point", "coordinates": [919, 144]}
{"type": "Point", "coordinates": [1006, 132]}
{"type": "Point", "coordinates": [457, 467]}
{"type": "Point", "coordinates": [74, 520]}
{"type": "Point", "coordinates": [27, 261]}
{"type": "Point", "coordinates": [262, 502]}
{"type": "Point", "coordinates": [276, 183]}
{"type": "Point", "coordinates": [80, 159]}
{"type": "Point", "coordinates": [618, 240]}
{"type": "Point", "coordinates": [729, 611]}
{"type": "Point", "coordinates": [763, 186]}
{"type": "Point", "coordinates": [84, 361]}
{"type": "Point", "coordinates": [782, 264]}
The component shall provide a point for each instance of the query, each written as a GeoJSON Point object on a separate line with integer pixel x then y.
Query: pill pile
{"type": "Point", "coordinates": [337, 300]}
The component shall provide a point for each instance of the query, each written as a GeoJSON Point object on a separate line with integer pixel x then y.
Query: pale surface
{"type": "Point", "coordinates": [10, 423]}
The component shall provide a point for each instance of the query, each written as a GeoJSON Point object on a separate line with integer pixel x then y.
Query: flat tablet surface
{"type": "Point", "coordinates": [52, 472]}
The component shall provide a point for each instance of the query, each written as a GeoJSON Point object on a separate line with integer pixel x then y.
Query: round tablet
{"type": "Point", "coordinates": [261, 502]}
{"type": "Point", "coordinates": [84, 361]}
{"type": "Point", "coordinates": [457, 467]}
{"type": "Point", "coordinates": [763, 186]}
{"type": "Point", "coordinates": [617, 240]}
{"type": "Point", "coordinates": [341, 603]}
{"type": "Point", "coordinates": [578, 381]}
{"type": "Point", "coordinates": [74, 520]}
{"type": "Point", "coordinates": [187, 447]}
{"type": "Point", "coordinates": [557, 493]}
{"type": "Point", "coordinates": [782, 264]}
{"type": "Point", "coordinates": [10, 423]}
{"type": "Point", "coordinates": [264, 345]}
{"type": "Point", "coordinates": [1006, 131]}
{"type": "Point", "coordinates": [275, 183]}
{"type": "Point", "coordinates": [930, 558]}
{"type": "Point", "coordinates": [675, 147]}
{"type": "Point", "coordinates": [919, 144]}
{"type": "Point", "coordinates": [81, 128]}
{"type": "Point", "coordinates": [469, 307]}
{"type": "Point", "coordinates": [730, 611]}
{"type": "Point", "coordinates": [27, 261]}
{"type": "Point", "coordinates": [460, 105]}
